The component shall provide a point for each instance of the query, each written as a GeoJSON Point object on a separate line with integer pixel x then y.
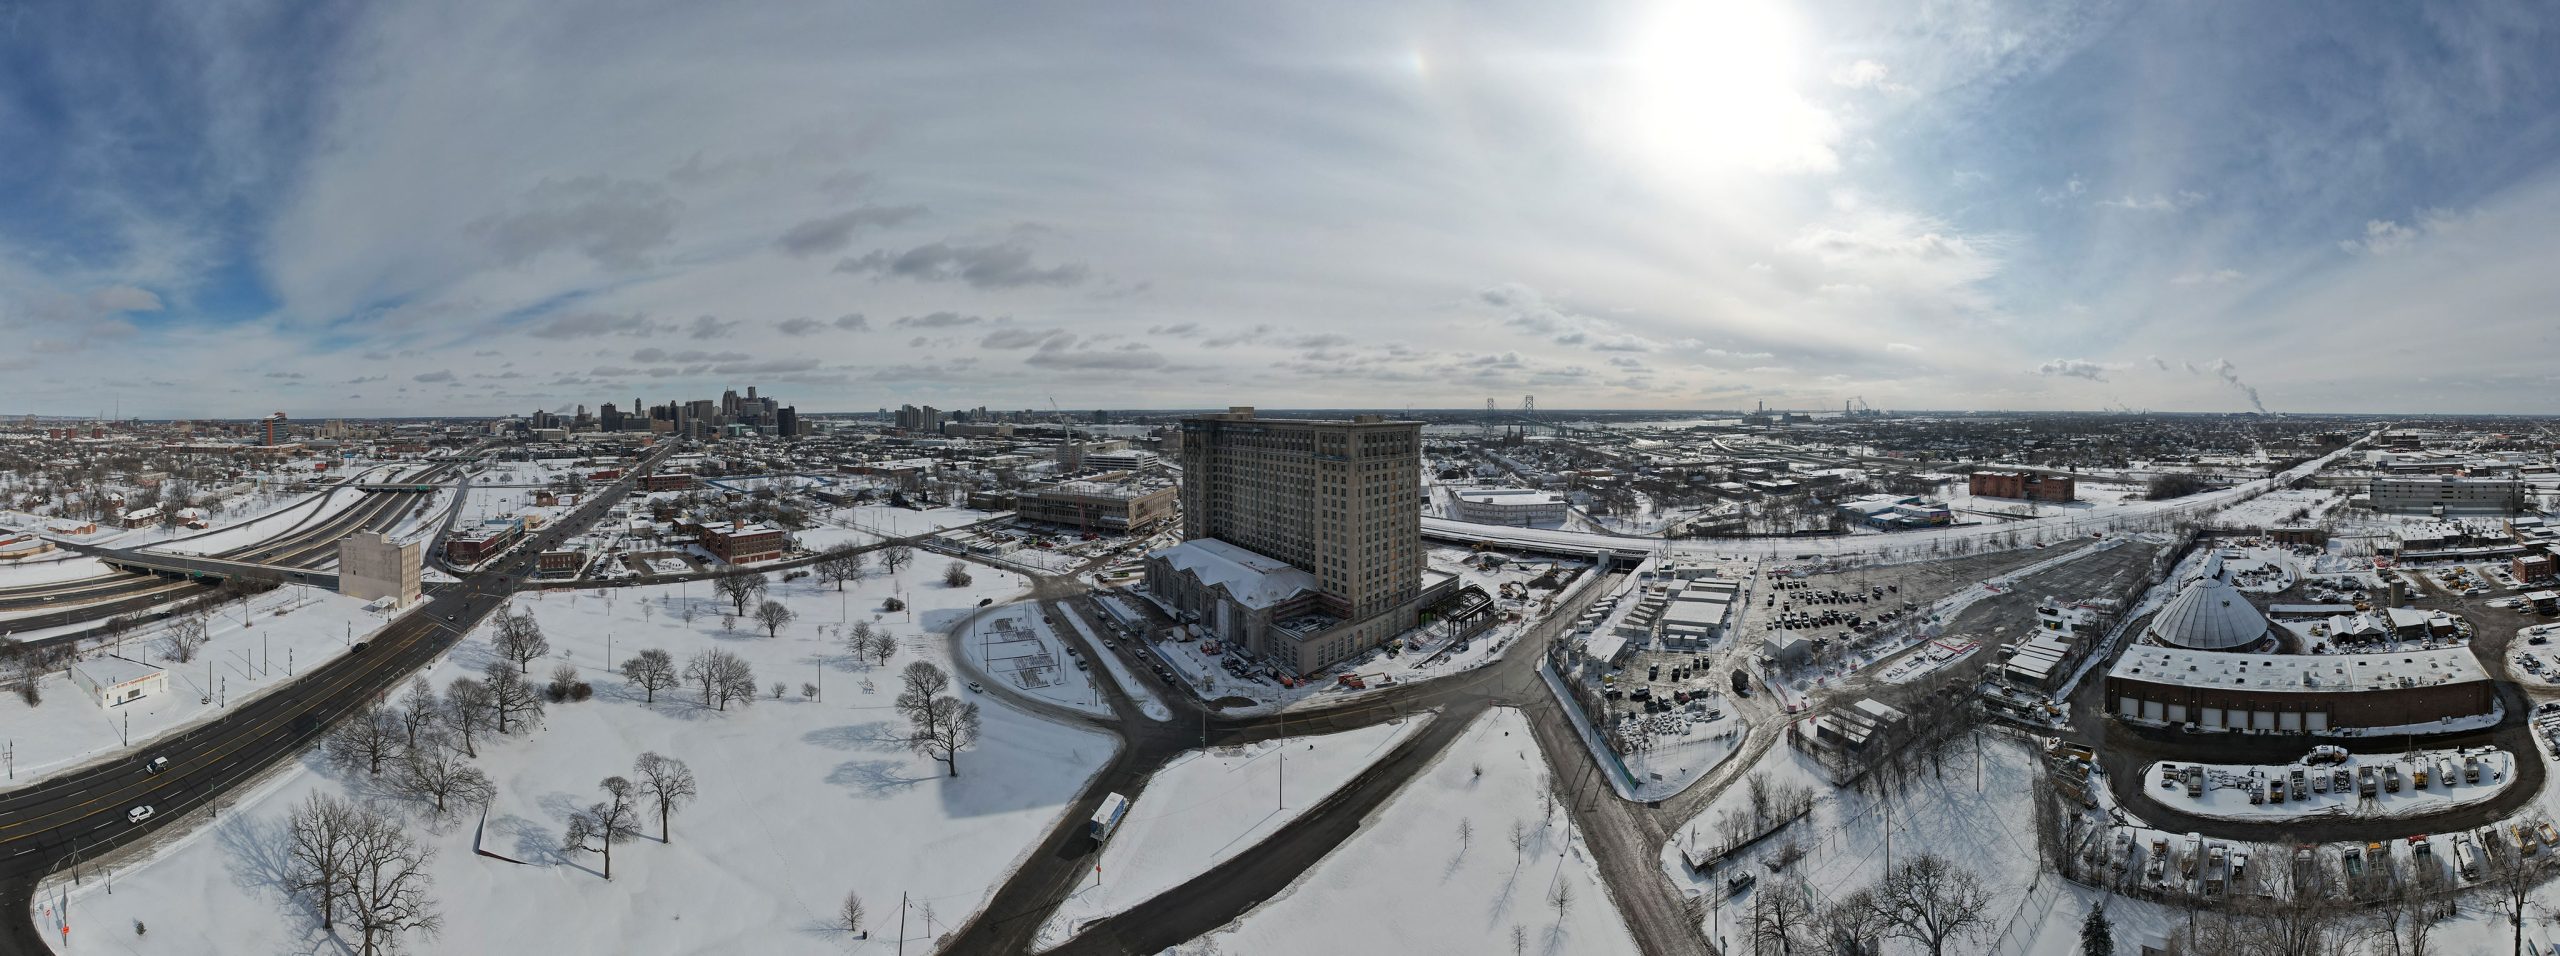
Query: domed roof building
{"type": "Point", "coordinates": [2211, 615]}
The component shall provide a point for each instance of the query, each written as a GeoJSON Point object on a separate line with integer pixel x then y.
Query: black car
{"type": "Point", "coordinates": [358, 647]}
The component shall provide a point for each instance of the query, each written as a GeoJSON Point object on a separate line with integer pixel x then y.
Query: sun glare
{"type": "Point", "coordinates": [1709, 89]}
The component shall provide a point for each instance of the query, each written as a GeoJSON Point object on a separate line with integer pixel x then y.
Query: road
{"type": "Point", "coordinates": [55, 825]}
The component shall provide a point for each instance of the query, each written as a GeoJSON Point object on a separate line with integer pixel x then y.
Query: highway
{"type": "Point", "coordinates": [54, 825]}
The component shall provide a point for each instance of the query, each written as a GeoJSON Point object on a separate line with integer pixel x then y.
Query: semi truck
{"type": "Point", "coordinates": [1107, 817]}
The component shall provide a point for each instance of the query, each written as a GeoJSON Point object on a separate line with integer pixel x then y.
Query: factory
{"type": "Point", "coordinates": [2293, 693]}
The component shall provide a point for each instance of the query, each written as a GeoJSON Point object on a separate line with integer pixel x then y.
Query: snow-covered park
{"type": "Point", "coordinates": [802, 800]}
{"type": "Point", "coordinates": [1429, 875]}
{"type": "Point", "coordinates": [1208, 806]}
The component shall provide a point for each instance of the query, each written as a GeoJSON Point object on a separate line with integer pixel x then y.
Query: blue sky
{"type": "Point", "coordinates": [226, 208]}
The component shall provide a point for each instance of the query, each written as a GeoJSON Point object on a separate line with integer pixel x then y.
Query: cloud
{"type": "Point", "coordinates": [654, 356]}
{"type": "Point", "coordinates": [439, 375]}
{"type": "Point", "coordinates": [1064, 353]}
{"type": "Point", "coordinates": [2215, 277]}
{"type": "Point", "coordinates": [1903, 347]}
{"type": "Point", "coordinates": [2156, 202]}
{"type": "Point", "coordinates": [615, 222]}
{"type": "Point", "coordinates": [2160, 363]}
{"type": "Point", "coordinates": [1023, 338]}
{"type": "Point", "coordinates": [1529, 310]}
{"type": "Point", "coordinates": [582, 325]}
{"type": "Point", "coordinates": [711, 327]}
{"type": "Point", "coordinates": [284, 375]}
{"type": "Point", "coordinates": [2077, 368]}
{"type": "Point", "coordinates": [1004, 265]}
{"type": "Point", "coordinates": [125, 298]}
{"type": "Point", "coordinates": [936, 320]}
{"type": "Point", "coordinates": [2383, 237]}
{"type": "Point", "coordinates": [800, 326]}
{"type": "Point", "coordinates": [853, 322]}
{"type": "Point", "coordinates": [1176, 330]}
{"type": "Point", "coordinates": [1867, 75]}
{"type": "Point", "coordinates": [833, 233]}
{"type": "Point", "coordinates": [362, 379]}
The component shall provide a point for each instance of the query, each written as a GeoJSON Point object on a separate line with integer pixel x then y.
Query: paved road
{"type": "Point", "coordinates": [53, 826]}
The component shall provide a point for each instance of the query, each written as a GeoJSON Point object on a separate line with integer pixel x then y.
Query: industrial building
{"type": "Point", "coordinates": [2030, 485]}
{"type": "Point", "coordinates": [2447, 495]}
{"type": "Point", "coordinates": [484, 540]}
{"type": "Point", "coordinates": [2210, 614]}
{"type": "Point", "coordinates": [113, 681]}
{"type": "Point", "coordinates": [2314, 693]}
{"type": "Point", "coordinates": [1270, 505]}
{"type": "Point", "coordinates": [1897, 512]}
{"type": "Point", "coordinates": [1117, 505]}
{"type": "Point", "coordinates": [371, 567]}
{"type": "Point", "coordinates": [1513, 507]}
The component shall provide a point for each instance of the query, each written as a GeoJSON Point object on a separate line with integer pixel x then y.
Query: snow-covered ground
{"type": "Point", "coordinates": [1411, 882]}
{"type": "Point", "coordinates": [1014, 645]}
{"type": "Point", "coordinates": [1208, 806]}
{"type": "Point", "coordinates": [2277, 509]}
{"type": "Point", "coordinates": [2228, 788]}
{"type": "Point", "coordinates": [1677, 758]}
{"type": "Point", "coordinates": [1977, 815]}
{"type": "Point", "coordinates": [241, 534]}
{"type": "Point", "coordinates": [802, 801]}
{"type": "Point", "coordinates": [287, 631]}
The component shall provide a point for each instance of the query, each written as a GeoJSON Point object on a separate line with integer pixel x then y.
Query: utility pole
{"type": "Point", "coordinates": [902, 924]}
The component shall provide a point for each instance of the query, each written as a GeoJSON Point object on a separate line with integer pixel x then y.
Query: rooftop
{"type": "Point", "coordinates": [1254, 579]}
{"type": "Point", "coordinates": [2297, 673]}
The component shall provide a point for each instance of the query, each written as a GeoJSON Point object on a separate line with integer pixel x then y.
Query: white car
{"type": "Point", "coordinates": [973, 686]}
{"type": "Point", "coordinates": [155, 764]}
{"type": "Point", "coordinates": [138, 814]}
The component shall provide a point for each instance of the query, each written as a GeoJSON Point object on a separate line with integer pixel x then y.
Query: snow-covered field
{"type": "Point", "coordinates": [1015, 646]}
{"type": "Point", "coordinates": [1207, 806]}
{"type": "Point", "coordinates": [2279, 508]}
{"type": "Point", "coordinates": [1411, 882]}
{"type": "Point", "coordinates": [802, 801]}
{"type": "Point", "coordinates": [2228, 788]}
{"type": "Point", "coordinates": [239, 660]}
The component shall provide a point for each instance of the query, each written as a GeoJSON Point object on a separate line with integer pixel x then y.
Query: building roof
{"type": "Point", "coordinates": [2299, 673]}
{"type": "Point", "coordinates": [1253, 579]}
{"type": "Point", "coordinates": [2209, 614]}
{"type": "Point", "coordinates": [110, 671]}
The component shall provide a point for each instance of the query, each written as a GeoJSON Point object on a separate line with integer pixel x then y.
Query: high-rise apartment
{"type": "Point", "coordinates": [1303, 538]}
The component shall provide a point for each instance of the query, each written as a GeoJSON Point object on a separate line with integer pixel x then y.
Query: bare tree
{"type": "Point", "coordinates": [1852, 923]}
{"type": "Point", "coordinates": [615, 819]}
{"type": "Point", "coordinates": [1519, 841]}
{"type": "Point", "coordinates": [366, 738]}
{"type": "Point", "coordinates": [439, 776]}
{"type": "Point", "coordinates": [316, 863]}
{"type": "Point", "coordinates": [740, 588]}
{"type": "Point", "coordinates": [956, 574]}
{"type": "Point", "coordinates": [1782, 917]}
{"type": "Point", "coordinates": [564, 681]}
{"type": "Point", "coordinates": [387, 883]}
{"type": "Point", "coordinates": [520, 639]}
{"type": "Point", "coordinates": [1932, 903]}
{"type": "Point", "coordinates": [2400, 924]}
{"type": "Point", "coordinates": [653, 669]}
{"type": "Point", "coordinates": [723, 676]}
{"type": "Point", "coordinates": [1561, 899]}
{"type": "Point", "coordinates": [468, 706]}
{"type": "Point", "coordinates": [939, 726]}
{"type": "Point", "coordinates": [773, 616]}
{"type": "Point", "coordinates": [512, 699]}
{"type": "Point", "coordinates": [2512, 878]}
{"type": "Point", "coordinates": [668, 783]}
{"type": "Point", "coordinates": [896, 557]}
{"type": "Point", "coordinates": [419, 711]}
{"type": "Point", "coordinates": [185, 635]}
{"type": "Point", "coordinates": [841, 565]}
{"type": "Point", "coordinates": [851, 915]}
{"type": "Point", "coordinates": [1519, 940]}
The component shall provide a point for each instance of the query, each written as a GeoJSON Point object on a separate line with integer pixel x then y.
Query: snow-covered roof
{"type": "Point", "coordinates": [112, 671]}
{"type": "Point", "coordinates": [2299, 673]}
{"type": "Point", "coordinates": [2210, 614]}
{"type": "Point", "coordinates": [1253, 579]}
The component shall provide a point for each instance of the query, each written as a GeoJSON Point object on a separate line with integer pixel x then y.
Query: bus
{"type": "Point", "coordinates": [1106, 818]}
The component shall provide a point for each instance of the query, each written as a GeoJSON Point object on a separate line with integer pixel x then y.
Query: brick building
{"type": "Point", "coordinates": [2029, 485]}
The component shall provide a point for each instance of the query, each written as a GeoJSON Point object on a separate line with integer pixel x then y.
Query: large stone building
{"type": "Point", "coordinates": [1326, 511]}
{"type": "Point", "coordinates": [2298, 693]}
{"type": "Point", "coordinates": [371, 566]}
{"type": "Point", "coordinates": [1118, 506]}
{"type": "Point", "coordinates": [2447, 495]}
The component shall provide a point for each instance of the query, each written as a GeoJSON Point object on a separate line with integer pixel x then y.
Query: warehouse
{"type": "Point", "coordinates": [2291, 694]}
{"type": "Point", "coordinates": [1515, 507]}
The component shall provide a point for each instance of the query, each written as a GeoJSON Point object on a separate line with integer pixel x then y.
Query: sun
{"type": "Point", "coordinates": [1710, 90]}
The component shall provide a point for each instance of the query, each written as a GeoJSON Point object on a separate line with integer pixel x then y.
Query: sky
{"type": "Point", "coordinates": [222, 208]}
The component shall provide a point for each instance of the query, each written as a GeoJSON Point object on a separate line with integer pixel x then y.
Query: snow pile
{"type": "Point", "coordinates": [1208, 807]}
{"type": "Point", "coordinates": [1412, 882]}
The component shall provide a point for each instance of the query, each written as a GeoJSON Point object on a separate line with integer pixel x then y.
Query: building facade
{"type": "Point", "coordinates": [2447, 495]}
{"type": "Point", "coordinates": [741, 543]}
{"type": "Point", "coordinates": [371, 566]}
{"type": "Point", "coordinates": [1515, 507]}
{"type": "Point", "coordinates": [2292, 694]}
{"type": "Point", "coordinates": [1114, 506]}
{"type": "Point", "coordinates": [1334, 499]}
{"type": "Point", "coordinates": [2030, 485]}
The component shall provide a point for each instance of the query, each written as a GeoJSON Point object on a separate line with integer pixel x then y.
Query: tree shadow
{"type": "Point", "coordinates": [260, 860]}
{"type": "Point", "coordinates": [876, 778]}
{"type": "Point", "coordinates": [879, 736]}
{"type": "Point", "coordinates": [532, 842]}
